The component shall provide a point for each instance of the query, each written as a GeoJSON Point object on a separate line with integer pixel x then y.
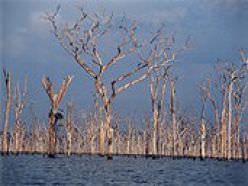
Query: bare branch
{"type": "Point", "coordinates": [64, 87]}
{"type": "Point", "coordinates": [47, 85]}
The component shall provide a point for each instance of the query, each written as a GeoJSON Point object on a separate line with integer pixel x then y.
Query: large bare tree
{"type": "Point", "coordinates": [84, 41]}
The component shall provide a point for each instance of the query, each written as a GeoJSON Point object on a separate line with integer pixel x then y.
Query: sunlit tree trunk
{"type": "Point", "coordinates": [223, 125]}
{"type": "Point", "coordinates": [102, 138]}
{"type": "Point", "coordinates": [203, 138]}
{"type": "Point", "coordinates": [7, 78]}
{"type": "Point", "coordinates": [17, 132]}
{"type": "Point", "coordinates": [237, 153]}
{"type": "Point", "coordinates": [154, 91]}
{"type": "Point", "coordinates": [54, 115]}
{"type": "Point", "coordinates": [69, 125]}
{"type": "Point", "coordinates": [230, 90]}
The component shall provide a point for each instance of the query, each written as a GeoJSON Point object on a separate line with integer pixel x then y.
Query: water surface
{"type": "Point", "coordinates": [75, 170]}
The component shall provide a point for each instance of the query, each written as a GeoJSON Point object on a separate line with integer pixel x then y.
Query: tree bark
{"type": "Point", "coordinates": [69, 123]}
{"type": "Point", "coordinates": [173, 118]}
{"type": "Point", "coordinates": [6, 114]}
{"type": "Point", "coordinates": [52, 133]}
{"type": "Point", "coordinates": [223, 125]}
{"type": "Point", "coordinates": [237, 153]}
{"type": "Point", "coordinates": [17, 132]}
{"type": "Point", "coordinates": [109, 130]}
{"type": "Point", "coordinates": [54, 116]}
{"type": "Point", "coordinates": [203, 139]}
{"type": "Point", "coordinates": [230, 90]}
{"type": "Point", "coordinates": [102, 138]}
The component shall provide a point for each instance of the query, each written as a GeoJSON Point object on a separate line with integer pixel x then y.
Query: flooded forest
{"type": "Point", "coordinates": [218, 130]}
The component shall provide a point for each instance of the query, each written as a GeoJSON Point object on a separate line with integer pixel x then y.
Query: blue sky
{"type": "Point", "coordinates": [218, 29]}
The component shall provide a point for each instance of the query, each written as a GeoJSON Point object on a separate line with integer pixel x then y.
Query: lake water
{"type": "Point", "coordinates": [75, 170]}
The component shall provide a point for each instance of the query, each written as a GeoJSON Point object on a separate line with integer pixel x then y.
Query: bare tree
{"type": "Point", "coordinates": [7, 79]}
{"type": "Point", "coordinates": [69, 127]}
{"type": "Point", "coordinates": [83, 41]}
{"type": "Point", "coordinates": [204, 97]}
{"type": "Point", "coordinates": [20, 102]}
{"type": "Point", "coordinates": [236, 76]}
{"type": "Point", "coordinates": [54, 115]}
{"type": "Point", "coordinates": [158, 82]}
{"type": "Point", "coordinates": [232, 82]}
{"type": "Point", "coordinates": [173, 118]}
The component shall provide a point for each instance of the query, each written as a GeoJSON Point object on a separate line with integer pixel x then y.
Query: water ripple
{"type": "Point", "coordinates": [93, 171]}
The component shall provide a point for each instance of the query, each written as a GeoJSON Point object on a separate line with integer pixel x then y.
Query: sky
{"type": "Point", "coordinates": [218, 29]}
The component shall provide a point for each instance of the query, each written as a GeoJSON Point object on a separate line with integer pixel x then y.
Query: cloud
{"type": "Point", "coordinates": [156, 17]}
{"type": "Point", "coordinates": [17, 40]}
{"type": "Point", "coordinates": [38, 25]}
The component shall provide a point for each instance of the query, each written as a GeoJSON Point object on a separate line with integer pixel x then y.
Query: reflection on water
{"type": "Point", "coordinates": [38, 170]}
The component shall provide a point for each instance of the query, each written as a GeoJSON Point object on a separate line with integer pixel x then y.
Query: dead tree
{"type": "Point", "coordinates": [237, 78]}
{"type": "Point", "coordinates": [54, 114]}
{"type": "Point", "coordinates": [204, 97]}
{"type": "Point", "coordinates": [100, 123]}
{"type": "Point", "coordinates": [223, 119]}
{"type": "Point", "coordinates": [240, 102]}
{"type": "Point", "coordinates": [173, 118]}
{"type": "Point", "coordinates": [69, 127]}
{"type": "Point", "coordinates": [84, 41]}
{"type": "Point", "coordinates": [232, 83]}
{"type": "Point", "coordinates": [158, 82]}
{"type": "Point", "coordinates": [206, 92]}
{"type": "Point", "coordinates": [230, 92]}
{"type": "Point", "coordinates": [7, 79]}
{"type": "Point", "coordinates": [20, 102]}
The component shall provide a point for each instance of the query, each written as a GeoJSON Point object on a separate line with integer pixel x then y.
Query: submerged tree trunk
{"type": "Point", "coordinates": [54, 115]}
{"type": "Point", "coordinates": [52, 133]}
{"type": "Point", "coordinates": [102, 138]}
{"type": "Point", "coordinates": [223, 125]}
{"type": "Point", "coordinates": [69, 125]}
{"type": "Point", "coordinates": [237, 152]}
{"type": "Point", "coordinates": [154, 91]}
{"type": "Point", "coordinates": [7, 77]}
{"type": "Point", "coordinates": [109, 130]}
{"type": "Point", "coordinates": [17, 132]}
{"type": "Point", "coordinates": [203, 139]}
{"type": "Point", "coordinates": [230, 90]}
{"type": "Point", "coordinates": [173, 119]}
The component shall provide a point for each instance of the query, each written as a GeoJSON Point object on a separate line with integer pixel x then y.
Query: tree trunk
{"type": "Point", "coordinates": [102, 138]}
{"type": "Point", "coordinates": [109, 130]}
{"type": "Point", "coordinates": [52, 134]}
{"type": "Point", "coordinates": [218, 132]}
{"type": "Point", "coordinates": [155, 130]}
{"type": "Point", "coordinates": [69, 123]}
{"type": "Point", "coordinates": [6, 114]}
{"type": "Point", "coordinates": [17, 132]}
{"type": "Point", "coordinates": [237, 152]}
{"type": "Point", "coordinates": [173, 119]}
{"type": "Point", "coordinates": [230, 89]}
{"type": "Point", "coordinates": [223, 125]}
{"type": "Point", "coordinates": [203, 139]}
